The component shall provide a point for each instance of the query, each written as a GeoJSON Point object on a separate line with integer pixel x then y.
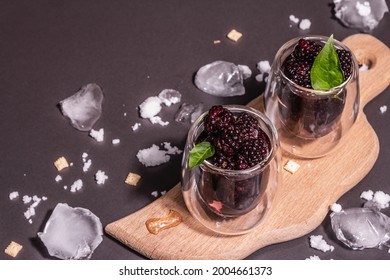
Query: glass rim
{"type": "Point", "coordinates": [256, 168]}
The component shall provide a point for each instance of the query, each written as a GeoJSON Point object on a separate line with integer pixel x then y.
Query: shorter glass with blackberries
{"type": "Point", "coordinates": [310, 122]}
{"type": "Point", "coordinates": [231, 191]}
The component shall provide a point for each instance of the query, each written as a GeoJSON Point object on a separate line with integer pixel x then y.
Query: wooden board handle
{"type": "Point", "coordinates": [375, 54]}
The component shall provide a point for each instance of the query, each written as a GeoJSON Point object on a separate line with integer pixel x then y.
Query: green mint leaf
{"type": "Point", "coordinates": [326, 71]}
{"type": "Point", "coordinates": [199, 153]}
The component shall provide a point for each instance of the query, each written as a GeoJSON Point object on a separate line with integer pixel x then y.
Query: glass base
{"type": "Point", "coordinates": [222, 224]}
{"type": "Point", "coordinates": [308, 148]}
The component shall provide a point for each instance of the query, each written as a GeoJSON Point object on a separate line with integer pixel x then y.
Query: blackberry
{"type": "Point", "coordinates": [240, 162]}
{"type": "Point", "coordinates": [307, 50]}
{"type": "Point", "coordinates": [297, 65]}
{"type": "Point", "coordinates": [222, 161]}
{"type": "Point", "coordinates": [228, 140]}
{"type": "Point", "coordinates": [239, 141]}
{"type": "Point", "coordinates": [345, 58]}
{"type": "Point", "coordinates": [254, 153]}
{"type": "Point", "coordinates": [217, 118]}
{"type": "Point", "coordinates": [298, 71]}
{"type": "Point", "coordinates": [246, 121]}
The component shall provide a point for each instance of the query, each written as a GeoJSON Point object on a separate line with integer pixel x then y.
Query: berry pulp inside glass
{"type": "Point", "coordinates": [302, 113]}
{"type": "Point", "coordinates": [240, 144]}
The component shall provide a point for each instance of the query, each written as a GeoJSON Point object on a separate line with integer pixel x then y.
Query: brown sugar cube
{"type": "Point", "coordinates": [291, 166]}
{"type": "Point", "coordinates": [61, 163]}
{"type": "Point", "coordinates": [13, 249]}
{"type": "Point", "coordinates": [132, 179]}
{"type": "Point", "coordinates": [234, 35]}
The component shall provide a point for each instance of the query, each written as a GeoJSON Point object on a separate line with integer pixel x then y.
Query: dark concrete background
{"type": "Point", "coordinates": [134, 49]}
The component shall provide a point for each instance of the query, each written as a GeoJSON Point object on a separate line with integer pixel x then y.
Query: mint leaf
{"type": "Point", "coordinates": [199, 153]}
{"type": "Point", "coordinates": [326, 71]}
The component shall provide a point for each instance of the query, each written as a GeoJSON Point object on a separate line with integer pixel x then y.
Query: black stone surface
{"type": "Point", "coordinates": [135, 49]}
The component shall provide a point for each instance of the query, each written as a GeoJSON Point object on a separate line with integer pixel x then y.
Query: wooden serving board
{"type": "Point", "coordinates": [301, 202]}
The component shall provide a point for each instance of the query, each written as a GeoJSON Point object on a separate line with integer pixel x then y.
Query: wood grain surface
{"type": "Point", "coordinates": [301, 202]}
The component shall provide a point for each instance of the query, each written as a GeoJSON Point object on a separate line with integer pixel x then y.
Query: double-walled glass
{"type": "Point", "coordinates": [310, 122]}
{"type": "Point", "coordinates": [231, 201]}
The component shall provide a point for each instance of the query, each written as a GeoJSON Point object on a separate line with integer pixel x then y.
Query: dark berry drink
{"type": "Point", "coordinates": [312, 121]}
{"type": "Point", "coordinates": [310, 116]}
{"type": "Point", "coordinates": [240, 146]}
{"type": "Point", "coordinates": [304, 113]}
{"type": "Point", "coordinates": [230, 190]}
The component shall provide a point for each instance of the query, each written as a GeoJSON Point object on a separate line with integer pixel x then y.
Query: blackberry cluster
{"type": "Point", "coordinates": [239, 141]}
{"type": "Point", "coordinates": [298, 64]}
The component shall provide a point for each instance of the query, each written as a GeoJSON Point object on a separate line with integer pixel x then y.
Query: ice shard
{"type": "Point", "coordinates": [189, 112]}
{"type": "Point", "coordinates": [84, 107]}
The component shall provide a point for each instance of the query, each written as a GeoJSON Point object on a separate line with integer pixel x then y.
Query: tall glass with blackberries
{"type": "Point", "coordinates": [230, 168]}
{"type": "Point", "coordinates": [311, 118]}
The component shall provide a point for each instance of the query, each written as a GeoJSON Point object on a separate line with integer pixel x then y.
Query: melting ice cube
{"type": "Point", "coordinates": [189, 111]}
{"type": "Point", "coordinates": [84, 107]}
{"type": "Point", "coordinates": [364, 14]}
{"type": "Point", "coordinates": [361, 228]}
{"type": "Point", "coordinates": [169, 96]}
{"type": "Point", "coordinates": [71, 233]}
{"type": "Point", "coordinates": [197, 112]}
{"type": "Point", "coordinates": [220, 78]}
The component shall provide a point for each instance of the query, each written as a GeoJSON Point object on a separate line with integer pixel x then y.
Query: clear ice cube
{"type": "Point", "coordinates": [84, 107]}
{"type": "Point", "coordinates": [363, 15]}
{"type": "Point", "coordinates": [189, 112]}
{"type": "Point", "coordinates": [71, 233]}
{"type": "Point", "coordinates": [361, 228]}
{"type": "Point", "coordinates": [220, 78]}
